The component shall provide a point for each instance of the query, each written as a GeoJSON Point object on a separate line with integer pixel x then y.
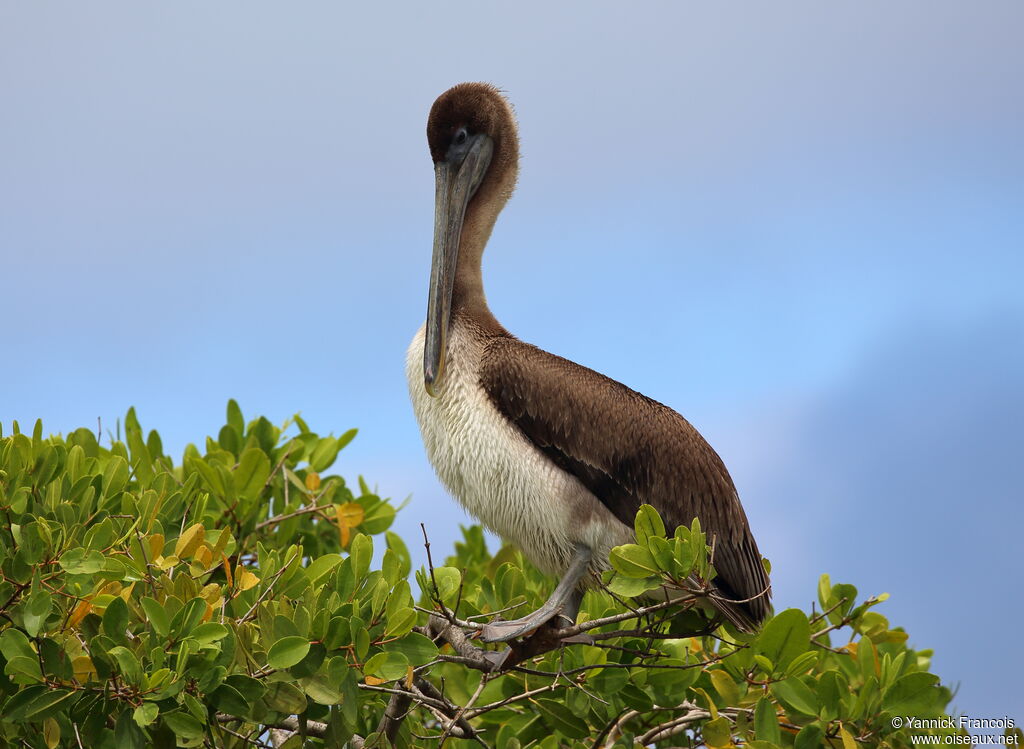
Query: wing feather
{"type": "Point", "coordinates": [628, 450]}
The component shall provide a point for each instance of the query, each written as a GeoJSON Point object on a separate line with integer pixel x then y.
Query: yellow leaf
{"type": "Point", "coordinates": [848, 741]}
{"type": "Point", "coordinates": [204, 555]}
{"type": "Point", "coordinates": [211, 593]}
{"type": "Point", "coordinates": [83, 668]}
{"type": "Point", "coordinates": [246, 579]}
{"type": "Point", "coordinates": [79, 613]}
{"type": "Point", "coordinates": [725, 686]}
{"type": "Point", "coordinates": [349, 514]}
{"type": "Point", "coordinates": [408, 679]}
{"type": "Point", "coordinates": [373, 681]}
{"type": "Point", "coordinates": [209, 613]}
{"type": "Point", "coordinates": [51, 733]}
{"type": "Point", "coordinates": [110, 589]}
{"type": "Point", "coordinates": [227, 569]}
{"type": "Point", "coordinates": [344, 534]}
{"type": "Point", "coordinates": [312, 481]}
{"type": "Point", "coordinates": [126, 594]}
{"type": "Point", "coordinates": [156, 545]}
{"type": "Point", "coordinates": [189, 541]}
{"type": "Point", "coordinates": [165, 563]}
{"type": "Point", "coordinates": [712, 708]}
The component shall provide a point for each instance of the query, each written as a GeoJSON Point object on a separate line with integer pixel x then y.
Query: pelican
{"type": "Point", "coordinates": [548, 454]}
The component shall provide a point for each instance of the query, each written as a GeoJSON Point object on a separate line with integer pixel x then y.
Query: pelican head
{"type": "Point", "coordinates": [475, 148]}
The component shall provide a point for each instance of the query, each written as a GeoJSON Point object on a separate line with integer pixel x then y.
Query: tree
{"type": "Point", "coordinates": [245, 598]}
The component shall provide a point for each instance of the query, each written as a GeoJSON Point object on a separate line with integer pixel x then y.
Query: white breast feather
{"type": "Point", "coordinates": [500, 477]}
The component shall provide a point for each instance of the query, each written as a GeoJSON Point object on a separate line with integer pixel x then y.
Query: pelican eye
{"type": "Point", "coordinates": [460, 136]}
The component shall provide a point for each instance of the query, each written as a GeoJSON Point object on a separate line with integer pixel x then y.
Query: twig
{"type": "Point", "coordinates": [462, 710]}
{"type": "Point", "coordinates": [251, 612]}
{"type": "Point", "coordinates": [426, 690]}
{"type": "Point", "coordinates": [289, 515]}
{"type": "Point", "coordinates": [514, 698]}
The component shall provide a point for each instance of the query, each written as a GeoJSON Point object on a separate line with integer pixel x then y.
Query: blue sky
{"type": "Point", "coordinates": [801, 226]}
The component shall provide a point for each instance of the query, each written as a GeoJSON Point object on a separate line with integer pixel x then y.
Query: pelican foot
{"type": "Point", "coordinates": [497, 658]}
{"type": "Point", "coordinates": [504, 631]}
{"type": "Point", "coordinates": [540, 640]}
{"type": "Point", "coordinates": [564, 603]}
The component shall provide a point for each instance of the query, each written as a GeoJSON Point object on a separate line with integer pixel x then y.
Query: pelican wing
{"type": "Point", "coordinates": [628, 450]}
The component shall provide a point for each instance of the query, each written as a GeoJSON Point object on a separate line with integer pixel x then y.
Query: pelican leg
{"type": "Point", "coordinates": [564, 603]}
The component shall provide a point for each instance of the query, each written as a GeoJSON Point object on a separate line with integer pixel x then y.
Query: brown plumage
{"type": "Point", "coordinates": [628, 450]}
{"type": "Point", "coordinates": [624, 448]}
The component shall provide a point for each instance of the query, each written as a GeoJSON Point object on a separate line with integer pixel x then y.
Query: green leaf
{"type": "Point", "coordinates": [115, 476]}
{"type": "Point", "coordinates": [648, 523]}
{"type": "Point", "coordinates": [285, 698]}
{"type": "Point", "coordinates": [809, 737]}
{"type": "Point", "coordinates": [188, 618]}
{"type": "Point", "coordinates": [784, 637]}
{"type": "Point", "coordinates": [832, 687]}
{"type": "Point", "coordinates": [82, 562]}
{"type": "Point", "coordinates": [37, 608]}
{"type": "Point", "coordinates": [388, 665]}
{"type": "Point", "coordinates": [146, 713]}
{"type": "Point", "coordinates": [841, 591]}
{"type": "Point", "coordinates": [717, 732]}
{"type": "Point", "coordinates": [183, 725]}
{"type": "Point", "coordinates": [915, 694]}
{"type": "Point", "coordinates": [208, 633]}
{"type": "Point", "coordinates": [802, 663]}
{"type": "Point", "coordinates": [824, 591]}
{"type": "Point", "coordinates": [14, 643]}
{"type": "Point", "coordinates": [252, 473]}
{"type": "Point", "coordinates": [210, 475]}
{"type": "Point", "coordinates": [252, 690]}
{"type": "Point", "coordinates": [229, 700]}
{"type": "Point", "coordinates": [632, 560]}
{"type": "Point", "coordinates": [630, 587]}
{"type": "Point", "coordinates": [766, 722]}
{"type": "Point", "coordinates": [361, 552]}
{"type": "Point", "coordinates": [397, 546]}
{"type": "Point", "coordinates": [796, 695]}
{"type": "Point", "coordinates": [417, 648]}
{"type": "Point", "coordinates": [378, 515]}
{"type": "Point", "coordinates": [115, 619]}
{"type": "Point", "coordinates": [38, 704]}
{"type": "Point", "coordinates": [127, 734]}
{"type": "Point", "coordinates": [230, 439]}
{"type": "Point", "coordinates": [725, 686]}
{"type": "Point", "coordinates": [347, 437]}
{"type": "Point", "coordinates": [318, 568]}
{"type": "Point", "coordinates": [448, 580]}
{"type": "Point", "coordinates": [234, 417]}
{"type": "Point", "coordinates": [157, 616]}
{"type": "Point", "coordinates": [399, 614]}
{"type": "Point", "coordinates": [287, 651]}
{"type": "Point", "coordinates": [338, 633]}
{"type": "Point", "coordinates": [324, 454]}
{"type": "Point", "coordinates": [562, 719]}
{"type": "Point", "coordinates": [321, 690]}
{"type": "Point", "coordinates": [128, 665]}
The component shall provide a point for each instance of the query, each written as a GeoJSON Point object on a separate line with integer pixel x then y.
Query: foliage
{"type": "Point", "coordinates": [236, 599]}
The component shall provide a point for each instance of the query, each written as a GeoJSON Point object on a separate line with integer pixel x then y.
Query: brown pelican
{"type": "Point", "coordinates": [548, 454]}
